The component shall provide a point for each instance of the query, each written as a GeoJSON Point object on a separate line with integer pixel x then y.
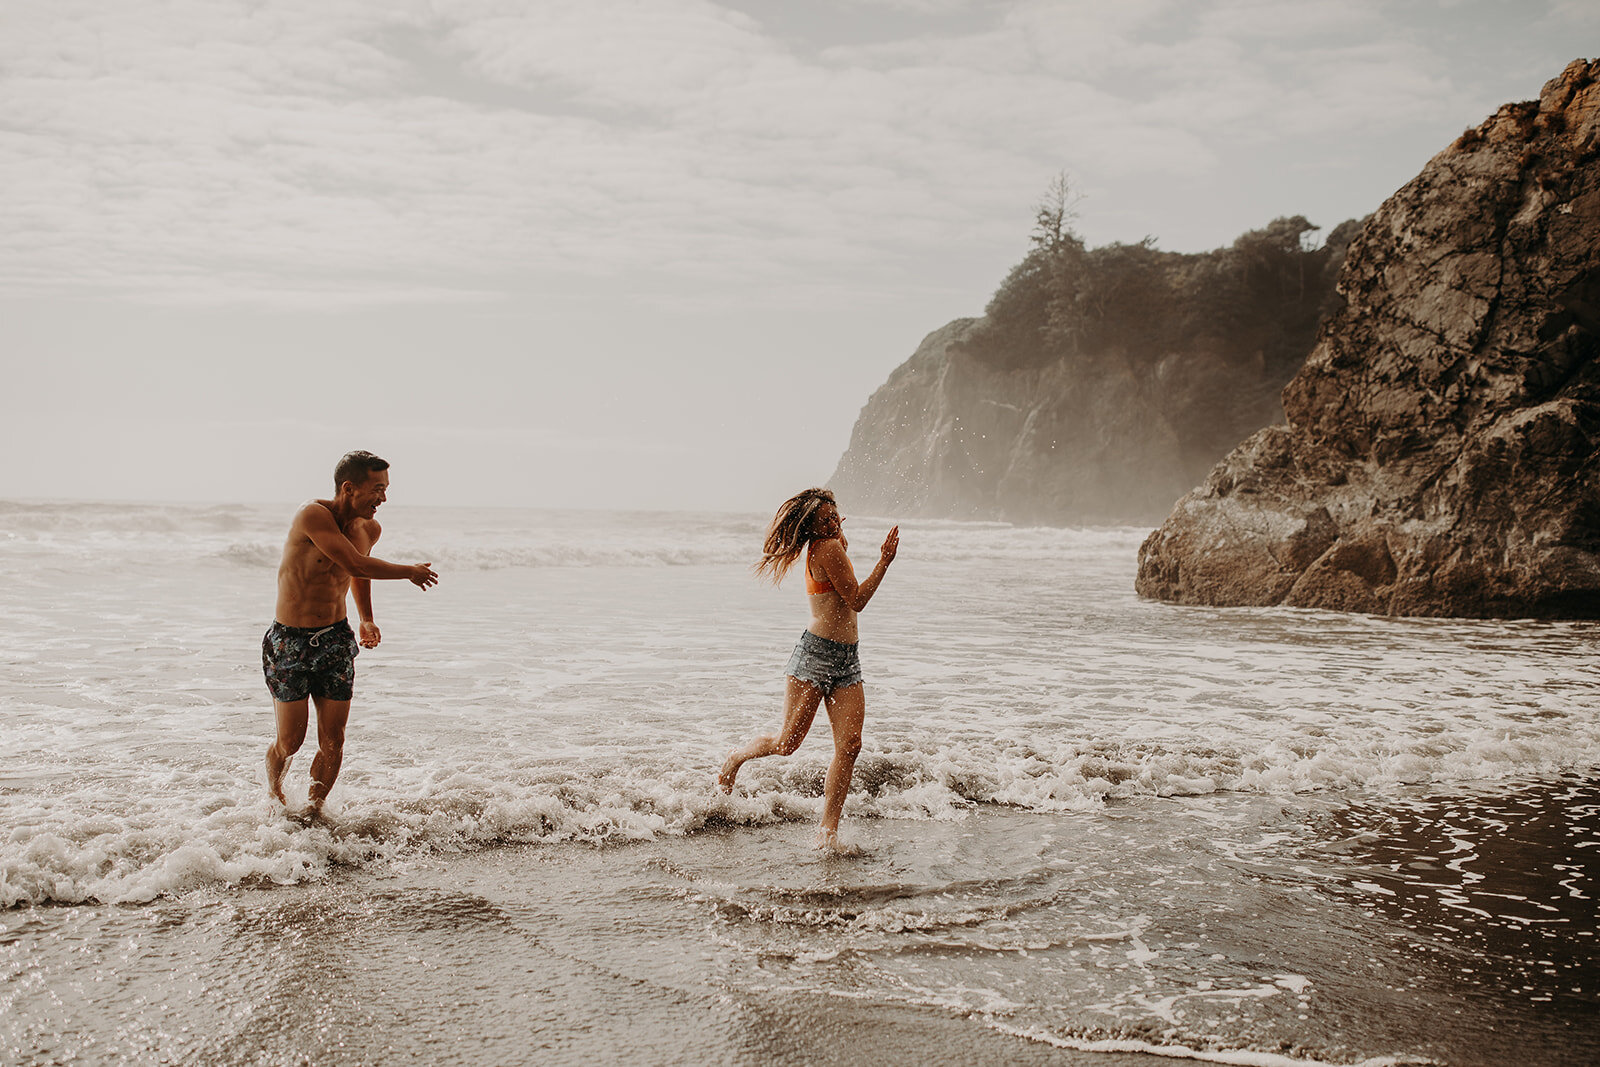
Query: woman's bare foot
{"type": "Point", "coordinates": [828, 841]}
{"type": "Point", "coordinates": [730, 771]}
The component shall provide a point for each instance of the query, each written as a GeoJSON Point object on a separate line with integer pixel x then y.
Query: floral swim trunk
{"type": "Point", "coordinates": [301, 661]}
{"type": "Point", "coordinates": [828, 665]}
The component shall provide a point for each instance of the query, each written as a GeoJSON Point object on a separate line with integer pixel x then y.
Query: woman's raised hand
{"type": "Point", "coordinates": [891, 545]}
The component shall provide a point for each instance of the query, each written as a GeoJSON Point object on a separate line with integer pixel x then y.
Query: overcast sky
{"type": "Point", "coordinates": [635, 253]}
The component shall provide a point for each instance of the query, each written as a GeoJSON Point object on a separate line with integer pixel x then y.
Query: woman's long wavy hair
{"type": "Point", "coordinates": [792, 528]}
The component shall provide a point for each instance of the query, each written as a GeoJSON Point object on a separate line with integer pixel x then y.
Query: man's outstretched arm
{"type": "Point", "coordinates": [332, 542]}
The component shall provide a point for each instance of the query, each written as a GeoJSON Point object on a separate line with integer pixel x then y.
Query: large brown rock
{"type": "Point", "coordinates": [1440, 450]}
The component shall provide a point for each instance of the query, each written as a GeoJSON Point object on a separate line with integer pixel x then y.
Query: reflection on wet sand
{"type": "Point", "coordinates": [1495, 890]}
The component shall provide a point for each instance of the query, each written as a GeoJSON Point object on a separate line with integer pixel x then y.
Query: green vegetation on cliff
{"type": "Point", "coordinates": [1257, 302]}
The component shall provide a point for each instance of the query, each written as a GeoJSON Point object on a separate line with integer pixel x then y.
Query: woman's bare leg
{"type": "Point", "coordinates": [799, 708]}
{"type": "Point", "coordinates": [847, 709]}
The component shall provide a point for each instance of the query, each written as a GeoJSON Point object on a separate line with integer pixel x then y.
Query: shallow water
{"type": "Point", "coordinates": [1084, 821]}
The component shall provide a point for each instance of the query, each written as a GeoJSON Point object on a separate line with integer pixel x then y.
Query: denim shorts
{"type": "Point", "coordinates": [828, 665]}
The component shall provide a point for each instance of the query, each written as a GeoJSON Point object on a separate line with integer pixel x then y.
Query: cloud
{"type": "Point", "coordinates": [1301, 20]}
{"type": "Point", "coordinates": [654, 57]}
{"type": "Point", "coordinates": [1576, 13]}
{"type": "Point", "coordinates": [923, 7]}
{"type": "Point", "coordinates": [364, 151]}
{"type": "Point", "coordinates": [223, 151]}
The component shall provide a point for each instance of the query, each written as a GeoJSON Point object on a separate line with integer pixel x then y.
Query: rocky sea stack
{"type": "Point", "coordinates": [1440, 451]}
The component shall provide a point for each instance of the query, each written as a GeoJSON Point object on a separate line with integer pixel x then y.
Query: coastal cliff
{"type": "Point", "coordinates": [1099, 385]}
{"type": "Point", "coordinates": [1439, 455]}
{"type": "Point", "coordinates": [949, 435]}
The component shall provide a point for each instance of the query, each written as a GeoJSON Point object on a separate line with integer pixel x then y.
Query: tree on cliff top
{"type": "Point", "coordinates": [1257, 302]}
{"type": "Point", "coordinates": [1052, 227]}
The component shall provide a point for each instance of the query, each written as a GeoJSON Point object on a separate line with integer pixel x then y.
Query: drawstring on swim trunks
{"type": "Point", "coordinates": [317, 637]}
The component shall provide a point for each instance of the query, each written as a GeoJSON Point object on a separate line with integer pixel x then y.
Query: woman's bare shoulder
{"type": "Point", "coordinates": [831, 546]}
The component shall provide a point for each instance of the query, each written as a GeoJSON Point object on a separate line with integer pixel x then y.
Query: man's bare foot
{"type": "Point", "coordinates": [310, 815]}
{"type": "Point", "coordinates": [275, 781]}
{"type": "Point", "coordinates": [314, 802]}
{"type": "Point", "coordinates": [730, 771]}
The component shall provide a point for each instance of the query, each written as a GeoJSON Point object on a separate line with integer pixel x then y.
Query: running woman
{"type": "Point", "coordinates": [825, 666]}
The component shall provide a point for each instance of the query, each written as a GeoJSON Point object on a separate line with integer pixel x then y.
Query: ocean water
{"type": "Point", "coordinates": [1084, 827]}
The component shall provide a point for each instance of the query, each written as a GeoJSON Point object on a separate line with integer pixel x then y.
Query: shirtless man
{"type": "Point", "coordinates": [310, 652]}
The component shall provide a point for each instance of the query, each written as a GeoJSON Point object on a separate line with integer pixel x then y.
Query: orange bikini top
{"type": "Point", "coordinates": [812, 585]}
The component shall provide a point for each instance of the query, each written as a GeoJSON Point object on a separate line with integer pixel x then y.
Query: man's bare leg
{"type": "Point", "coordinates": [331, 718]}
{"type": "Point", "coordinates": [799, 708]}
{"type": "Point", "coordinates": [847, 709]}
{"type": "Point", "coordinates": [291, 734]}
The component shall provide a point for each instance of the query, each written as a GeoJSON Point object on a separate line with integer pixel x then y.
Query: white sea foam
{"type": "Point", "coordinates": [94, 838]}
{"type": "Point", "coordinates": [578, 676]}
{"type": "Point", "coordinates": [1240, 1057]}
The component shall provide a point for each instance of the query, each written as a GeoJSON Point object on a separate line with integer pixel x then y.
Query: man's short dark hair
{"type": "Point", "coordinates": [356, 467]}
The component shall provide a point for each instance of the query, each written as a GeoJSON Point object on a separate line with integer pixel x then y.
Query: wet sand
{"type": "Point", "coordinates": [510, 956]}
{"type": "Point", "coordinates": [1264, 933]}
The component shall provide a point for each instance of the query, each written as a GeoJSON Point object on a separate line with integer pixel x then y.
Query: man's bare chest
{"type": "Point", "coordinates": [307, 560]}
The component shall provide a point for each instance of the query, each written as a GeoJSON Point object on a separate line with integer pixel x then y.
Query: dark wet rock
{"type": "Point", "coordinates": [1440, 451]}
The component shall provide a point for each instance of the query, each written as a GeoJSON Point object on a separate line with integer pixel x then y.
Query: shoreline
{"type": "Point", "coordinates": [1007, 936]}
